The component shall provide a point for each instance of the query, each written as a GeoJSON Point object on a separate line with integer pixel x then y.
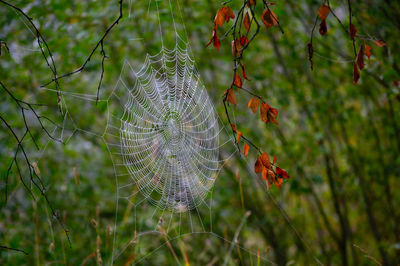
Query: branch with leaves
{"type": "Point", "coordinates": [245, 28]}
{"type": "Point", "coordinates": [365, 50]}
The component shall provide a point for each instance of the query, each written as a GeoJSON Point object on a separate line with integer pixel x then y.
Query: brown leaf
{"type": "Point", "coordinates": [310, 54]}
{"type": "Point", "coordinates": [238, 136]}
{"type": "Point", "coordinates": [219, 19]}
{"type": "Point", "coordinates": [258, 166]}
{"type": "Point", "coordinates": [269, 18]}
{"type": "Point", "coordinates": [264, 112]}
{"type": "Point", "coordinates": [238, 81]}
{"type": "Point", "coordinates": [265, 160]}
{"type": "Point", "coordinates": [231, 97]}
{"type": "Point", "coordinates": [367, 51]}
{"type": "Point", "coordinates": [246, 21]}
{"type": "Point", "coordinates": [352, 31]}
{"type": "Point", "coordinates": [356, 74]}
{"type": "Point", "coordinates": [236, 48]}
{"type": "Point", "coordinates": [360, 57]}
{"type": "Point", "coordinates": [380, 43]}
{"type": "Point", "coordinates": [323, 11]}
{"type": "Point", "coordinates": [323, 28]}
{"type": "Point", "coordinates": [246, 149]}
{"type": "Point", "coordinates": [253, 104]}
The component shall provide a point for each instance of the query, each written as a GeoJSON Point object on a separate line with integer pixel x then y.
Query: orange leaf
{"type": "Point", "coordinates": [264, 112]}
{"type": "Point", "coordinates": [360, 57]}
{"type": "Point", "coordinates": [258, 166]}
{"type": "Point", "coordinates": [246, 149]}
{"type": "Point", "coordinates": [231, 97]}
{"type": "Point", "coordinates": [367, 51]}
{"type": "Point", "coordinates": [269, 18]}
{"type": "Point", "coordinates": [253, 104]}
{"type": "Point", "coordinates": [323, 28]}
{"type": "Point", "coordinates": [219, 19]}
{"type": "Point", "coordinates": [323, 11]}
{"type": "Point", "coordinates": [251, 2]}
{"type": "Point", "coordinates": [265, 160]}
{"type": "Point", "coordinates": [238, 81]}
{"type": "Point", "coordinates": [352, 31]}
{"type": "Point", "coordinates": [246, 21]}
{"type": "Point", "coordinates": [228, 13]}
{"type": "Point", "coordinates": [356, 74]}
{"type": "Point", "coordinates": [282, 173]}
{"type": "Point", "coordinates": [238, 135]}
{"type": "Point", "coordinates": [380, 43]}
{"type": "Point", "coordinates": [278, 182]}
{"type": "Point", "coordinates": [264, 174]}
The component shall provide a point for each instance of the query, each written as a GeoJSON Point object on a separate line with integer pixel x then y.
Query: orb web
{"type": "Point", "coordinates": [168, 130]}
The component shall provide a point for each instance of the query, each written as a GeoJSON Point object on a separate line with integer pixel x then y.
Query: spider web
{"type": "Point", "coordinates": [167, 145]}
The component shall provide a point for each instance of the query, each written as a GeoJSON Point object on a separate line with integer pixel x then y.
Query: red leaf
{"type": "Point", "coordinates": [323, 11]}
{"type": "Point", "coordinates": [233, 127]}
{"type": "Point", "coordinates": [273, 111]}
{"type": "Point", "coordinates": [231, 96]}
{"type": "Point", "coordinates": [275, 159]}
{"type": "Point", "coordinates": [282, 173]}
{"type": "Point", "coordinates": [246, 21]}
{"type": "Point", "coordinates": [356, 74]}
{"type": "Point", "coordinates": [360, 57]}
{"type": "Point", "coordinates": [367, 51]}
{"type": "Point", "coordinates": [323, 28]}
{"type": "Point", "coordinates": [246, 149]}
{"type": "Point", "coordinates": [269, 18]}
{"type": "Point", "coordinates": [243, 40]}
{"type": "Point", "coordinates": [228, 13]}
{"type": "Point", "coordinates": [380, 43]}
{"type": "Point", "coordinates": [214, 40]}
{"type": "Point", "coordinates": [352, 31]}
{"type": "Point", "coordinates": [238, 81]}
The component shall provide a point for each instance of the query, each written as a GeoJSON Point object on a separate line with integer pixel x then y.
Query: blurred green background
{"type": "Point", "coordinates": [339, 142]}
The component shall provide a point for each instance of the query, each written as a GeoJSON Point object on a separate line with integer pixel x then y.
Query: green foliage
{"type": "Point", "coordinates": [339, 142]}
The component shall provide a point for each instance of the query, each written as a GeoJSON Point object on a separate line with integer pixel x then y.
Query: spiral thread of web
{"type": "Point", "coordinates": [164, 131]}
